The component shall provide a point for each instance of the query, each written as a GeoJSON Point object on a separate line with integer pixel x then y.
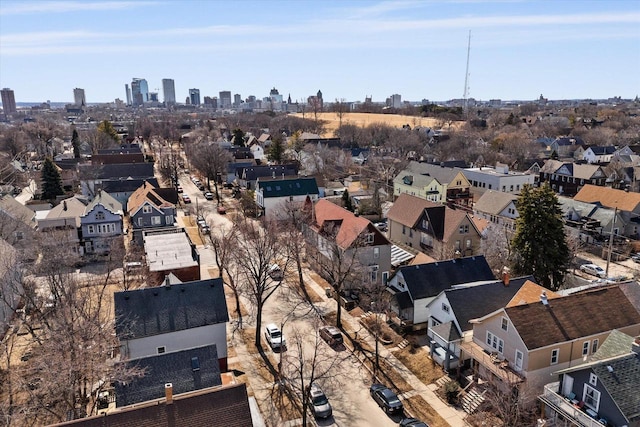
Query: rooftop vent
{"type": "Point", "coordinates": [543, 299]}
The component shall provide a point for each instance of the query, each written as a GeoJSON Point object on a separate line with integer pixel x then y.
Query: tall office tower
{"type": "Point", "coordinates": [126, 88]}
{"type": "Point", "coordinates": [194, 96]}
{"type": "Point", "coordinates": [78, 97]}
{"type": "Point", "coordinates": [396, 101]}
{"type": "Point", "coordinates": [237, 100]}
{"type": "Point", "coordinates": [225, 99]}
{"type": "Point", "coordinates": [139, 91]}
{"type": "Point", "coordinates": [8, 101]}
{"type": "Point", "coordinates": [169, 91]}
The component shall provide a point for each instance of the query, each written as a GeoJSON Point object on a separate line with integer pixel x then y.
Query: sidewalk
{"type": "Point", "coordinates": [455, 417]}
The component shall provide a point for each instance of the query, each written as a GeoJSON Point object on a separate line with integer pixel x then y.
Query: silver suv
{"type": "Point", "coordinates": [594, 270]}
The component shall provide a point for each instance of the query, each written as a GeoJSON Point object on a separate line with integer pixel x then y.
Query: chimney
{"type": "Point", "coordinates": [635, 347]}
{"type": "Point", "coordinates": [167, 282]}
{"type": "Point", "coordinates": [506, 277]}
{"type": "Point", "coordinates": [543, 299]}
{"type": "Point", "coordinates": [168, 393]}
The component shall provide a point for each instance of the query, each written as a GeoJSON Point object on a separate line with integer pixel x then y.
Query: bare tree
{"type": "Point", "coordinates": [225, 243]}
{"type": "Point", "coordinates": [211, 161]}
{"type": "Point", "coordinates": [258, 249]}
{"type": "Point", "coordinates": [340, 108]}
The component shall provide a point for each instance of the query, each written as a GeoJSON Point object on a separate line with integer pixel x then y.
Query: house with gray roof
{"type": "Point", "coordinates": [247, 176]}
{"type": "Point", "coordinates": [419, 184]}
{"type": "Point", "coordinates": [452, 310]}
{"type": "Point", "coordinates": [455, 186]}
{"type": "Point", "coordinates": [598, 154]}
{"type": "Point", "coordinates": [415, 286]}
{"type": "Point", "coordinates": [603, 391]}
{"type": "Point", "coordinates": [278, 197]}
{"type": "Point", "coordinates": [172, 317]}
{"type": "Point", "coordinates": [92, 176]}
{"type": "Point", "coordinates": [17, 222]}
{"type": "Point", "coordinates": [567, 178]}
{"type": "Point", "coordinates": [101, 224]}
{"type": "Point", "coordinates": [186, 370]}
{"type": "Point", "coordinates": [592, 221]}
{"type": "Point", "coordinates": [498, 208]}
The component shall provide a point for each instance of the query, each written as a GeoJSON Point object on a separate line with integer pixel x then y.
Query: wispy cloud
{"type": "Point", "coordinates": [34, 7]}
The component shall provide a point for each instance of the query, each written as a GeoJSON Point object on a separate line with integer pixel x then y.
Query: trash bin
{"type": "Point", "coordinates": [328, 292]}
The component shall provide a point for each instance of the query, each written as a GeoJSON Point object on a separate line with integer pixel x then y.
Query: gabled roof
{"type": "Point", "coordinates": [71, 208]}
{"type": "Point", "coordinates": [146, 194]}
{"type": "Point", "coordinates": [276, 171]}
{"type": "Point", "coordinates": [494, 202]}
{"type": "Point", "coordinates": [609, 197]}
{"type": "Point", "coordinates": [349, 227]}
{"type": "Point", "coordinates": [632, 291]}
{"type": "Point", "coordinates": [113, 186]}
{"type": "Point", "coordinates": [602, 150]}
{"type": "Point", "coordinates": [452, 220]}
{"type": "Point", "coordinates": [476, 301]}
{"type": "Point", "coordinates": [572, 317]}
{"type": "Point", "coordinates": [264, 138]}
{"type": "Point", "coordinates": [447, 331]}
{"type": "Point", "coordinates": [622, 383]}
{"type": "Point", "coordinates": [287, 187]}
{"type": "Point", "coordinates": [530, 292]}
{"type": "Point", "coordinates": [228, 406]}
{"type": "Point", "coordinates": [153, 311]}
{"type": "Point", "coordinates": [414, 179]}
{"type": "Point", "coordinates": [616, 344]}
{"type": "Point", "coordinates": [119, 170]}
{"type": "Point", "coordinates": [443, 174]}
{"type": "Point", "coordinates": [17, 211]}
{"type": "Point", "coordinates": [569, 140]}
{"type": "Point", "coordinates": [103, 198]}
{"type": "Point", "coordinates": [407, 209]}
{"type": "Point", "coordinates": [428, 280]}
{"type": "Point", "coordinates": [187, 370]}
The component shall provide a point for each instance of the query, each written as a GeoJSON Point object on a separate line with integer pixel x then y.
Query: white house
{"type": "Point", "coordinates": [595, 154]}
{"type": "Point", "coordinates": [499, 178]}
{"type": "Point", "coordinates": [275, 197]}
{"type": "Point", "coordinates": [173, 317]}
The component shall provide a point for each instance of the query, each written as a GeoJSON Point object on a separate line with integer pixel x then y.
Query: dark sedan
{"type": "Point", "coordinates": [386, 399]}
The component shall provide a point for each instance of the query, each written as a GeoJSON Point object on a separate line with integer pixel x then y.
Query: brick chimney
{"type": "Point", "coordinates": [168, 393]}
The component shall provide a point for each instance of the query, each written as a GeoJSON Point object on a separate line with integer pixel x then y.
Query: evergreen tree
{"type": "Point", "coordinates": [51, 180]}
{"type": "Point", "coordinates": [238, 137]}
{"type": "Point", "coordinates": [540, 243]}
{"type": "Point", "coordinates": [346, 201]}
{"type": "Point", "coordinates": [75, 142]}
{"type": "Point", "coordinates": [276, 149]}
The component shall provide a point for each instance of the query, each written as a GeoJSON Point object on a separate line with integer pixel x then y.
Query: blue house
{"type": "Point", "coordinates": [147, 208]}
{"type": "Point", "coordinates": [101, 224]}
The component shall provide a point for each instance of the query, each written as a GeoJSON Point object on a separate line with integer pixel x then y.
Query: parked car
{"type": "Point", "coordinates": [594, 270]}
{"type": "Point", "coordinates": [636, 257]}
{"type": "Point", "coordinates": [208, 195]}
{"type": "Point", "coordinates": [412, 422]}
{"type": "Point", "coordinates": [180, 190]}
{"type": "Point", "coordinates": [386, 399]}
{"type": "Point", "coordinates": [382, 226]}
{"type": "Point", "coordinates": [274, 337]}
{"type": "Point", "coordinates": [320, 405]}
{"type": "Point", "coordinates": [331, 335]}
{"type": "Point", "coordinates": [276, 273]}
{"type": "Point", "coordinates": [185, 198]}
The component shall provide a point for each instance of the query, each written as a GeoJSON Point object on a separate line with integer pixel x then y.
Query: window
{"type": "Point", "coordinates": [161, 350]}
{"type": "Point", "coordinates": [591, 397]}
{"type": "Point", "coordinates": [404, 230]}
{"type": "Point", "coordinates": [100, 216]}
{"type": "Point", "coordinates": [505, 324]}
{"type": "Point", "coordinates": [146, 209]}
{"type": "Point", "coordinates": [369, 238]}
{"type": "Point", "coordinates": [425, 224]}
{"type": "Point", "coordinates": [155, 220]}
{"type": "Point", "coordinates": [374, 273]}
{"type": "Point", "coordinates": [585, 348]}
{"type": "Point", "coordinates": [593, 379]}
{"type": "Point", "coordinates": [555, 353]}
{"type": "Point", "coordinates": [385, 277]}
{"type": "Point", "coordinates": [494, 342]}
{"type": "Point", "coordinates": [411, 232]}
{"type": "Point", "coordinates": [19, 235]}
{"type": "Point", "coordinates": [445, 308]}
{"type": "Point", "coordinates": [140, 222]}
{"type": "Point", "coordinates": [168, 219]}
{"type": "Point", "coordinates": [594, 346]}
{"type": "Point", "coordinates": [468, 243]}
{"type": "Point", "coordinates": [376, 253]}
{"type": "Point", "coordinates": [504, 188]}
{"type": "Point", "coordinates": [434, 322]}
{"type": "Point", "coordinates": [464, 229]}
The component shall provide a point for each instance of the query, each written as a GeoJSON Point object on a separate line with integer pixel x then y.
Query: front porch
{"type": "Point", "coordinates": [564, 412]}
{"type": "Point", "coordinates": [486, 364]}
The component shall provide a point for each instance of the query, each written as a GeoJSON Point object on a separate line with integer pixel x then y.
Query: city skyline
{"type": "Point", "coordinates": [349, 50]}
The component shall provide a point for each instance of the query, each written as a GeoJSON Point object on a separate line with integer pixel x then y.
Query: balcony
{"type": "Point", "coordinates": [490, 362]}
{"type": "Point", "coordinates": [562, 406]}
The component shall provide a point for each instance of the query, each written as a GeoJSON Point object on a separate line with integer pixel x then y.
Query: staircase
{"type": "Point", "coordinates": [472, 399]}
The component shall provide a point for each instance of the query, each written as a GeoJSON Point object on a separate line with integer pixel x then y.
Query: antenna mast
{"type": "Point", "coordinates": [466, 79]}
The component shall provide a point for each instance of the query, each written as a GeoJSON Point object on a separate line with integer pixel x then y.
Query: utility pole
{"type": "Point", "coordinates": [613, 223]}
{"type": "Point", "coordinates": [466, 80]}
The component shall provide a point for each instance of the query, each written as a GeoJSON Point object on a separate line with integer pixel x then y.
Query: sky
{"type": "Point", "coordinates": [561, 49]}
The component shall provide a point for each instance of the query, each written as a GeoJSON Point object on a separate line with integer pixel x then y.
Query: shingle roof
{"type": "Point", "coordinates": [609, 197]}
{"type": "Point", "coordinates": [126, 185]}
{"type": "Point", "coordinates": [414, 179]}
{"type": "Point", "coordinates": [632, 291]}
{"type": "Point", "coordinates": [178, 368]}
{"type": "Point", "coordinates": [494, 202]}
{"type": "Point", "coordinates": [287, 187]}
{"type": "Point", "coordinates": [452, 220]}
{"type": "Point", "coordinates": [146, 193]}
{"type": "Point", "coordinates": [476, 301]}
{"type": "Point", "coordinates": [254, 172]}
{"type": "Point", "coordinates": [16, 210]}
{"type": "Point", "coordinates": [602, 150]}
{"type": "Point", "coordinates": [428, 280]}
{"type": "Point", "coordinates": [444, 175]}
{"type": "Point", "coordinates": [152, 311]}
{"type": "Point", "coordinates": [71, 208]}
{"type": "Point", "coordinates": [408, 209]}
{"type": "Point", "coordinates": [226, 406]}
{"type": "Point", "coordinates": [622, 382]}
{"type": "Point", "coordinates": [616, 344]}
{"type": "Point", "coordinates": [350, 227]}
{"type": "Point", "coordinates": [447, 331]}
{"type": "Point", "coordinates": [404, 300]}
{"type": "Point", "coordinates": [572, 317]}
{"type": "Point", "coordinates": [530, 292]}
{"type": "Point", "coordinates": [103, 198]}
{"type": "Point", "coordinates": [119, 170]}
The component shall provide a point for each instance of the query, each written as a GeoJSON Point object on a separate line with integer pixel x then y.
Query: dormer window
{"type": "Point", "coordinates": [100, 216]}
{"type": "Point", "coordinates": [369, 238]}
{"type": "Point", "coordinates": [146, 209]}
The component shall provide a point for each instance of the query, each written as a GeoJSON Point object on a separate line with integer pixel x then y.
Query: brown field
{"type": "Point", "coordinates": [366, 119]}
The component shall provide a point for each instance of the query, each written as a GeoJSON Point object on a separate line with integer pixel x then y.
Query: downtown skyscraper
{"type": "Point", "coordinates": [8, 101]}
{"type": "Point", "coordinates": [139, 92]}
{"type": "Point", "coordinates": [169, 91]}
{"type": "Point", "coordinates": [79, 98]}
